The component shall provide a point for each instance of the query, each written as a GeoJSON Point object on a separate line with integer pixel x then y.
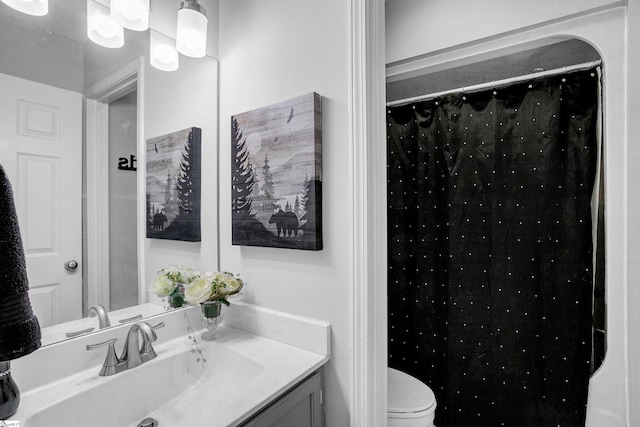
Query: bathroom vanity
{"type": "Point", "coordinates": [301, 406]}
{"type": "Point", "coordinates": [264, 368]}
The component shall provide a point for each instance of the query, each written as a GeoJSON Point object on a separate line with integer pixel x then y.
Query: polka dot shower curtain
{"type": "Point", "coordinates": [490, 250]}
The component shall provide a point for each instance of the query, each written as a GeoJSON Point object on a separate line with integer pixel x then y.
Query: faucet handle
{"type": "Point", "coordinates": [101, 312]}
{"type": "Point", "coordinates": [76, 333]}
{"type": "Point", "coordinates": [101, 344]}
{"type": "Point", "coordinates": [147, 352]}
{"type": "Point", "coordinates": [111, 362]}
{"type": "Point", "coordinates": [158, 326]}
{"type": "Point", "coordinates": [131, 319]}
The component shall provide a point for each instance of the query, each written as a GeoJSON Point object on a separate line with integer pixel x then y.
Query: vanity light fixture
{"type": "Point", "coordinates": [162, 51]}
{"type": "Point", "coordinates": [131, 14]}
{"type": "Point", "coordinates": [101, 28]}
{"type": "Point", "coordinates": [30, 7]}
{"type": "Point", "coordinates": [191, 39]}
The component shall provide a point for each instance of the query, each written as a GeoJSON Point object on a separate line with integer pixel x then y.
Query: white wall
{"type": "Point", "coordinates": [603, 24]}
{"type": "Point", "coordinates": [270, 52]}
{"type": "Point", "coordinates": [436, 25]}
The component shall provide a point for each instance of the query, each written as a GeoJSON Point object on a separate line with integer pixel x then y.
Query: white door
{"type": "Point", "coordinates": [41, 152]}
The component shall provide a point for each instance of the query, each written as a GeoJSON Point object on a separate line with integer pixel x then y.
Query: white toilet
{"type": "Point", "coordinates": [411, 403]}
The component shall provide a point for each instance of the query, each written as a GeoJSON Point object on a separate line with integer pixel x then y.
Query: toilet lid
{"type": "Point", "coordinates": [407, 394]}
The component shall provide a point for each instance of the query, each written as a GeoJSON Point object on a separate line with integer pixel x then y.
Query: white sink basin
{"type": "Point", "coordinates": [221, 383]}
{"type": "Point", "coordinates": [127, 398]}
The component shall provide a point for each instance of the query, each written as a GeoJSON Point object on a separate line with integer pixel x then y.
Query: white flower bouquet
{"type": "Point", "coordinates": [185, 284]}
{"type": "Point", "coordinates": [170, 283]}
{"type": "Point", "coordinates": [212, 286]}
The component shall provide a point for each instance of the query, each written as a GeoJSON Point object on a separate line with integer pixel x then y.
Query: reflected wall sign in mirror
{"type": "Point", "coordinates": [71, 112]}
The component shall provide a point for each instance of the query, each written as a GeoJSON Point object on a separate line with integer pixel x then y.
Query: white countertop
{"type": "Point", "coordinates": [257, 355]}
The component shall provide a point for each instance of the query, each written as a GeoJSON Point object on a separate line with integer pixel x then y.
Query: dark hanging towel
{"type": "Point", "coordinates": [19, 328]}
{"type": "Point", "coordinates": [490, 250]}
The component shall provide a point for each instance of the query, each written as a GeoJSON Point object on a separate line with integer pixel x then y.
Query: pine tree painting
{"type": "Point", "coordinates": [274, 151]}
{"type": "Point", "coordinates": [173, 186]}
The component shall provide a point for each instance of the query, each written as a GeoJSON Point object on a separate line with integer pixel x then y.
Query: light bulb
{"type": "Point", "coordinates": [101, 28]}
{"type": "Point", "coordinates": [191, 39]}
{"type": "Point", "coordinates": [162, 52]}
{"type": "Point", "coordinates": [131, 14]}
{"type": "Point", "coordinates": [165, 53]}
{"type": "Point", "coordinates": [105, 26]}
{"type": "Point", "coordinates": [30, 7]}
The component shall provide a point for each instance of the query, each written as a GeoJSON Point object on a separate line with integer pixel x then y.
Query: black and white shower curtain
{"type": "Point", "coordinates": [490, 249]}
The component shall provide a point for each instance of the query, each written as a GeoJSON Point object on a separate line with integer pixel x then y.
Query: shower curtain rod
{"type": "Point", "coordinates": [496, 83]}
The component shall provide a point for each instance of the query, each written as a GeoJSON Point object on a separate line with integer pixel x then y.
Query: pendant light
{"type": "Point", "coordinates": [131, 14]}
{"type": "Point", "coordinates": [101, 28]}
{"type": "Point", "coordinates": [162, 51]}
{"type": "Point", "coordinates": [30, 7]}
{"type": "Point", "coordinates": [191, 39]}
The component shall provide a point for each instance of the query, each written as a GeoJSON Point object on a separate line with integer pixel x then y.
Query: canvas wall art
{"type": "Point", "coordinates": [276, 175]}
{"type": "Point", "coordinates": [173, 186]}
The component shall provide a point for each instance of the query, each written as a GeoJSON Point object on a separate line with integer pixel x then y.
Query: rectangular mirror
{"type": "Point", "coordinates": [76, 117]}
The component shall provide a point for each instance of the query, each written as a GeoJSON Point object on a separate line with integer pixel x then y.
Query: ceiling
{"type": "Point", "coordinates": [65, 18]}
{"type": "Point", "coordinates": [54, 49]}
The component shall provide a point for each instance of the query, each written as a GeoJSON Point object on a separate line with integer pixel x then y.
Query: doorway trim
{"type": "Point", "coordinates": [368, 367]}
{"type": "Point", "coordinates": [97, 99]}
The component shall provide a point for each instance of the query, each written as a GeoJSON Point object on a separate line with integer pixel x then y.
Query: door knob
{"type": "Point", "coordinates": [71, 265]}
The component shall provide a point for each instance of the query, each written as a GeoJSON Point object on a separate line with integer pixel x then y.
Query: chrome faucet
{"type": "Point", "coordinates": [103, 316]}
{"type": "Point", "coordinates": [103, 320]}
{"type": "Point", "coordinates": [133, 354]}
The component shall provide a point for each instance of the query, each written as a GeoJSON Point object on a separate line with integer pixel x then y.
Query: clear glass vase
{"type": "Point", "coordinates": [211, 318]}
{"type": "Point", "coordinates": [176, 297]}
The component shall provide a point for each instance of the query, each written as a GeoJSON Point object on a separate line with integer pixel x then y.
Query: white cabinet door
{"type": "Point", "coordinates": [41, 152]}
{"type": "Point", "coordinates": [301, 406]}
